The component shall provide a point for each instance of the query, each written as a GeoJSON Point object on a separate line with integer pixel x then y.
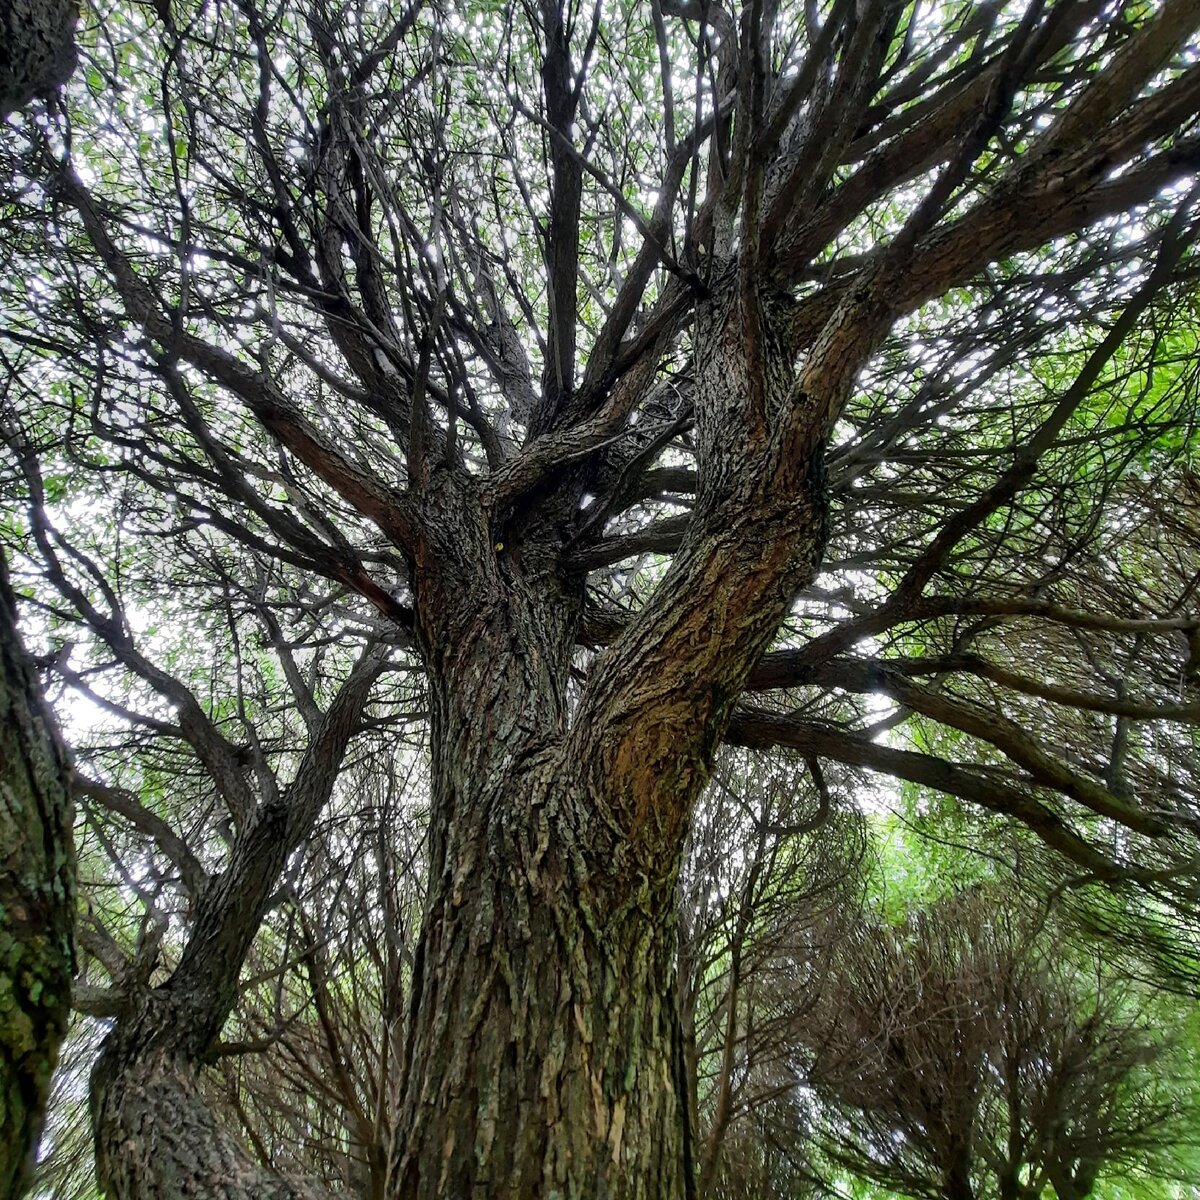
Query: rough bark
{"type": "Point", "coordinates": [156, 1134]}
{"type": "Point", "coordinates": [37, 903]}
{"type": "Point", "coordinates": [546, 1047]}
{"type": "Point", "coordinates": [37, 54]}
{"type": "Point", "coordinates": [544, 1044]}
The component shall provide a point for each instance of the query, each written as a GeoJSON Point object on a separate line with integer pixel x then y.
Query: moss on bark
{"type": "Point", "coordinates": [37, 901]}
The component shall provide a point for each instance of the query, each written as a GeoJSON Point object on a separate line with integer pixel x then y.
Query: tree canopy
{"type": "Point", "coordinates": [505, 496]}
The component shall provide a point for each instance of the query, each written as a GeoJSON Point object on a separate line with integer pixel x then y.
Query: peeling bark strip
{"type": "Point", "coordinates": [37, 903]}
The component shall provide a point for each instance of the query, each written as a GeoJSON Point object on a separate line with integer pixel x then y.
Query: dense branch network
{"type": "Point", "coordinates": [831, 367]}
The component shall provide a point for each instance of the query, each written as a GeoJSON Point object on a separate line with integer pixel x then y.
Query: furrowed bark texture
{"type": "Point", "coordinates": [545, 1050]}
{"type": "Point", "coordinates": [37, 49]}
{"type": "Point", "coordinates": [546, 1054]}
{"type": "Point", "coordinates": [37, 903]}
{"type": "Point", "coordinates": [544, 1042]}
{"type": "Point", "coordinates": [157, 1136]}
{"type": "Point", "coordinates": [663, 693]}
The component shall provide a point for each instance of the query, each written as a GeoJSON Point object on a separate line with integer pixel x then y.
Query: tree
{"type": "Point", "coordinates": [39, 50]}
{"type": "Point", "coordinates": [962, 1056]}
{"type": "Point", "coordinates": [771, 885]}
{"type": "Point", "coordinates": [654, 378]}
{"type": "Point", "coordinates": [37, 903]}
{"type": "Point", "coordinates": [37, 875]}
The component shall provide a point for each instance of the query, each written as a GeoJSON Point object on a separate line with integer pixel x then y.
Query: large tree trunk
{"type": "Point", "coordinates": [544, 1048]}
{"type": "Point", "coordinates": [37, 903]}
{"type": "Point", "coordinates": [547, 1057]}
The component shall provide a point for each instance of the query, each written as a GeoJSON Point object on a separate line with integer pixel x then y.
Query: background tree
{"type": "Point", "coordinates": [964, 1055]}
{"type": "Point", "coordinates": [37, 876]}
{"type": "Point", "coordinates": [648, 378]}
{"type": "Point", "coordinates": [772, 882]}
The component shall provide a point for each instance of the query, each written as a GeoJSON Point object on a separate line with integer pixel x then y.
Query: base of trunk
{"type": "Point", "coordinates": [157, 1137]}
{"type": "Point", "coordinates": [545, 1047]}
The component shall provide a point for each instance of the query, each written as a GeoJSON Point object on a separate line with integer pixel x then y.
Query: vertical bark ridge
{"type": "Point", "coordinates": [545, 1047]}
{"type": "Point", "coordinates": [543, 1043]}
